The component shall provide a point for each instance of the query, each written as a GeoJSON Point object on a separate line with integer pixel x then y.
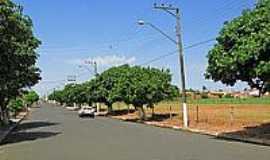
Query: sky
{"type": "Point", "coordinates": [76, 31]}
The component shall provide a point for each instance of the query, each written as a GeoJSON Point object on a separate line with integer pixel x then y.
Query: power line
{"type": "Point", "coordinates": [175, 52]}
{"type": "Point", "coordinates": [145, 63]}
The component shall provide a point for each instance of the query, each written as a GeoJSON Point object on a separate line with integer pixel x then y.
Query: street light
{"type": "Point", "coordinates": [143, 23]}
{"type": "Point", "coordinates": [175, 12]}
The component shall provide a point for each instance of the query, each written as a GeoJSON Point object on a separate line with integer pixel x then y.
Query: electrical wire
{"type": "Point", "coordinates": [176, 51]}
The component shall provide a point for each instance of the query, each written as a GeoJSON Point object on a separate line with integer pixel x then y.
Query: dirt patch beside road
{"type": "Point", "coordinates": [242, 120]}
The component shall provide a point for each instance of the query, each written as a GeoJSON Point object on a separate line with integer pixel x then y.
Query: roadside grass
{"type": "Point", "coordinates": [264, 100]}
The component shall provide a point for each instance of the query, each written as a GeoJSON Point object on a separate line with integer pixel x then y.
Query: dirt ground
{"type": "Point", "coordinates": [242, 119]}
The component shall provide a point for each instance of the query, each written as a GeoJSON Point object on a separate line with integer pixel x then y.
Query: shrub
{"type": "Point", "coordinates": [228, 96]}
{"type": "Point", "coordinates": [204, 96]}
{"type": "Point", "coordinates": [15, 106]}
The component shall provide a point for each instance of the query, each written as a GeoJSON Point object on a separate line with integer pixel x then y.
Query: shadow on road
{"type": "Point", "coordinates": [260, 132]}
{"type": "Point", "coordinates": [18, 137]}
{"type": "Point", "coordinates": [35, 124]}
{"type": "Point", "coordinates": [24, 132]}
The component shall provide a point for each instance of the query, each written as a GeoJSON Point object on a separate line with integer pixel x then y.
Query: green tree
{"type": "Point", "coordinates": [30, 98]}
{"type": "Point", "coordinates": [57, 96]}
{"type": "Point", "coordinates": [108, 86]}
{"type": "Point", "coordinates": [15, 106]}
{"type": "Point", "coordinates": [137, 86]}
{"type": "Point", "coordinates": [17, 54]}
{"type": "Point", "coordinates": [133, 85]}
{"type": "Point", "coordinates": [150, 86]}
{"type": "Point", "coordinates": [242, 51]}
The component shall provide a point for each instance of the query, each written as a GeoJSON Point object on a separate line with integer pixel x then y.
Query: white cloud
{"type": "Point", "coordinates": [114, 60]}
{"type": "Point", "coordinates": [106, 61]}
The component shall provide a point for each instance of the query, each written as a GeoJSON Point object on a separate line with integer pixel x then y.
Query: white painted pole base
{"type": "Point", "coordinates": [185, 115]}
{"type": "Point", "coordinates": [98, 108]}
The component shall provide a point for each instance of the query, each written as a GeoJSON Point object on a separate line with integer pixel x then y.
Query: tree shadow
{"type": "Point", "coordinates": [122, 112]}
{"type": "Point", "coordinates": [159, 117]}
{"type": "Point", "coordinates": [258, 132]}
{"type": "Point", "coordinates": [23, 132]}
{"type": "Point", "coordinates": [35, 124]}
{"type": "Point", "coordinates": [17, 137]}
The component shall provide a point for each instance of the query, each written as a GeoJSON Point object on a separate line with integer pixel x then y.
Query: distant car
{"type": "Point", "coordinates": [87, 112]}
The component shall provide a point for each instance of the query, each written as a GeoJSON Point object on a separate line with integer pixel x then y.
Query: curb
{"type": "Point", "coordinates": [257, 141]}
{"type": "Point", "coordinates": [11, 128]}
{"type": "Point", "coordinates": [203, 132]}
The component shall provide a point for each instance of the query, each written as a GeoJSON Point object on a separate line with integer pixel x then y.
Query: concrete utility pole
{"type": "Point", "coordinates": [94, 63]}
{"type": "Point", "coordinates": [175, 12]}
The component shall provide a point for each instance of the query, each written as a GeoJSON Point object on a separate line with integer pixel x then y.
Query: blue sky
{"type": "Point", "coordinates": [72, 31]}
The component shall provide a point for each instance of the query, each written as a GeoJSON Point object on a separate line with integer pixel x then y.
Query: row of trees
{"type": "Point", "coordinates": [17, 55]}
{"type": "Point", "coordinates": [132, 85]}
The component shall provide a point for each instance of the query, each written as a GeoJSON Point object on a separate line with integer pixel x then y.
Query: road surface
{"type": "Point", "coordinates": [52, 133]}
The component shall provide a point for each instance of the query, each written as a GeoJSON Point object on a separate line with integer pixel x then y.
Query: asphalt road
{"type": "Point", "coordinates": [52, 133]}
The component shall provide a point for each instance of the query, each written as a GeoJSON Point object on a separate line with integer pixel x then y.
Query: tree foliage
{"type": "Point", "coordinates": [30, 98]}
{"type": "Point", "coordinates": [17, 53]}
{"type": "Point", "coordinates": [243, 49]}
{"type": "Point", "coordinates": [26, 99]}
{"type": "Point", "coordinates": [16, 105]}
{"type": "Point", "coordinates": [133, 85]}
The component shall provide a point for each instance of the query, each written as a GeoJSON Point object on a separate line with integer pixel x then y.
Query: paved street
{"type": "Point", "coordinates": [56, 134]}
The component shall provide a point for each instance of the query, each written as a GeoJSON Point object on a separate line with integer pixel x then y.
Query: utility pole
{"type": "Point", "coordinates": [175, 12]}
{"type": "Point", "coordinates": [95, 69]}
{"type": "Point", "coordinates": [94, 64]}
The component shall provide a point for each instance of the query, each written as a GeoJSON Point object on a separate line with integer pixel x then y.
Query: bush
{"type": "Point", "coordinates": [204, 96]}
{"type": "Point", "coordinates": [30, 98]}
{"type": "Point", "coordinates": [228, 96]}
{"type": "Point", "coordinates": [15, 106]}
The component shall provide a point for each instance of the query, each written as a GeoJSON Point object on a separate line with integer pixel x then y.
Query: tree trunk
{"type": "Point", "coordinates": [1, 118]}
{"type": "Point", "coordinates": [4, 112]}
{"type": "Point", "coordinates": [128, 108]}
{"type": "Point", "coordinates": [153, 111]}
{"type": "Point", "coordinates": [5, 116]}
{"type": "Point", "coordinates": [110, 109]}
{"type": "Point", "coordinates": [142, 115]}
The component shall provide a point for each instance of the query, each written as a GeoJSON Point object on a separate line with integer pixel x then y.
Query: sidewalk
{"type": "Point", "coordinates": [4, 131]}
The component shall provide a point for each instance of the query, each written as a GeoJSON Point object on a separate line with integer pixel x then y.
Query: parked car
{"type": "Point", "coordinates": [87, 112]}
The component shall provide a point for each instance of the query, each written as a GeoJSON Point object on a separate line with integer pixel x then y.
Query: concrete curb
{"type": "Point", "coordinates": [251, 140]}
{"type": "Point", "coordinates": [11, 128]}
{"type": "Point", "coordinates": [217, 135]}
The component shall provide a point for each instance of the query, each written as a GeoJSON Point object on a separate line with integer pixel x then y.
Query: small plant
{"type": "Point", "coordinates": [204, 96]}
{"type": "Point", "coordinates": [228, 96]}
{"type": "Point", "coordinates": [15, 106]}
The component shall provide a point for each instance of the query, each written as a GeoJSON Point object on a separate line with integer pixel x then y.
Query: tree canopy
{"type": "Point", "coordinates": [17, 53]}
{"type": "Point", "coordinates": [133, 85]}
{"type": "Point", "coordinates": [243, 49]}
{"type": "Point", "coordinates": [30, 98]}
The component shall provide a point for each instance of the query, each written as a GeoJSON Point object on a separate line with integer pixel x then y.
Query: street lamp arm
{"type": "Point", "coordinates": [161, 32]}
